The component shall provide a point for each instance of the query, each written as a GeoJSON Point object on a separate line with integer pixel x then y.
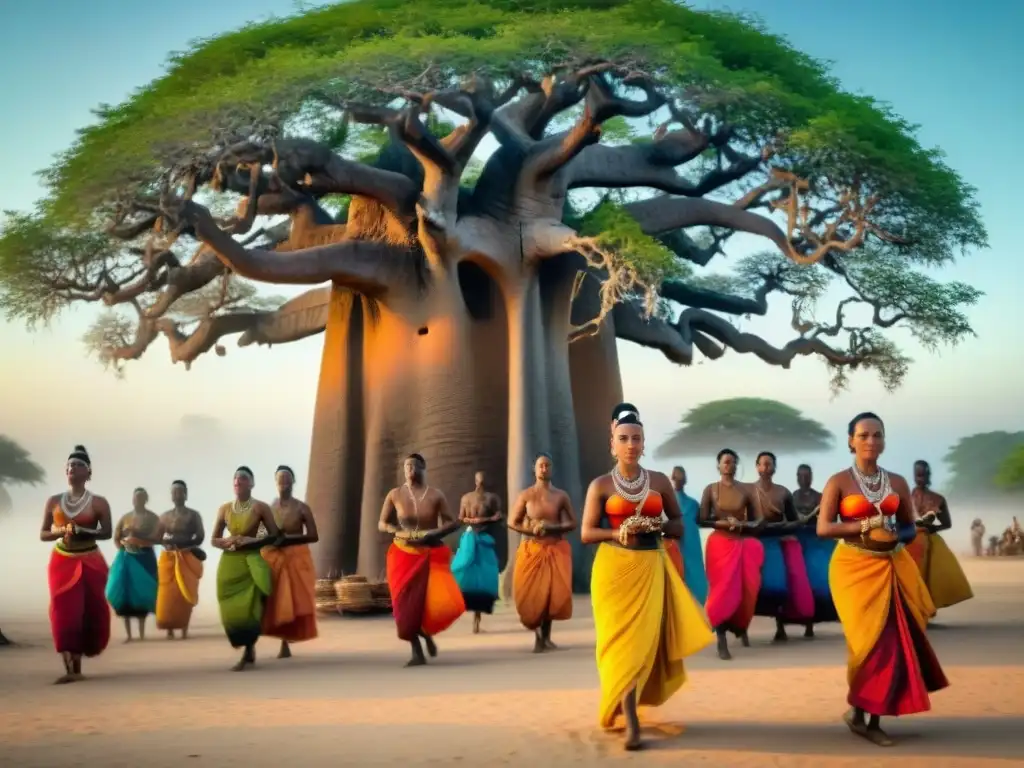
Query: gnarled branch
{"type": "Point", "coordinates": [367, 266]}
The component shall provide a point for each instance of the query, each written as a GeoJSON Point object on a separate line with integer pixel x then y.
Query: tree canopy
{"type": "Point", "coordinates": [984, 463]}
{"type": "Point", "coordinates": [16, 468]}
{"type": "Point", "coordinates": [1011, 471]}
{"type": "Point", "coordinates": [638, 134]}
{"type": "Point", "coordinates": [747, 425]}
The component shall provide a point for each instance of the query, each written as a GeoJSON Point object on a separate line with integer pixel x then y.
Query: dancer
{"type": "Point", "coordinates": [542, 579]}
{"type": "Point", "coordinates": [132, 583]}
{"type": "Point", "coordinates": [785, 593]}
{"type": "Point", "coordinates": [693, 559]}
{"type": "Point", "coordinates": [881, 599]}
{"type": "Point", "coordinates": [475, 565]}
{"type": "Point", "coordinates": [181, 564]}
{"type": "Point", "coordinates": [243, 576]}
{"type": "Point", "coordinates": [977, 535]}
{"type": "Point", "coordinates": [290, 613]}
{"type": "Point", "coordinates": [817, 551]}
{"type": "Point", "coordinates": [733, 559]}
{"type": "Point", "coordinates": [645, 618]}
{"type": "Point", "coordinates": [425, 599]}
{"type": "Point", "coordinates": [939, 567]}
{"type": "Point", "coordinates": [79, 614]}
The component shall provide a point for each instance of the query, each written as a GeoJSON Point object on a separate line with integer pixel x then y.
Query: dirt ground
{"type": "Point", "coordinates": [345, 698]}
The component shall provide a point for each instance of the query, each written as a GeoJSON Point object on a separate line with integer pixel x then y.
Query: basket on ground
{"type": "Point", "coordinates": [354, 595]}
{"type": "Point", "coordinates": [326, 597]}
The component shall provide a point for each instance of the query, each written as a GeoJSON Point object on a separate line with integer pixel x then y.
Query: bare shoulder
{"type": "Point", "coordinates": [437, 495]}
{"type": "Point", "coordinates": [599, 484]}
{"type": "Point", "coordinates": [262, 506]}
{"type": "Point", "coordinates": [304, 508]}
{"type": "Point", "coordinates": [899, 483]}
{"type": "Point", "coordinates": [100, 504]}
{"type": "Point", "coordinates": [836, 480]}
{"type": "Point", "coordinates": [660, 481]}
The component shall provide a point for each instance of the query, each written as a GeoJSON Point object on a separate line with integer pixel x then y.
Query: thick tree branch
{"type": "Point", "coordinates": [702, 298]}
{"type": "Point", "coordinates": [367, 266]}
{"type": "Point", "coordinates": [299, 318]}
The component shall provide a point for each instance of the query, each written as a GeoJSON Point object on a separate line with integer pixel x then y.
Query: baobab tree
{"type": "Point", "coordinates": [486, 198]}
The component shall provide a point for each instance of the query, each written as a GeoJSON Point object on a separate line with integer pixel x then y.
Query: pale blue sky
{"type": "Point", "coordinates": [948, 70]}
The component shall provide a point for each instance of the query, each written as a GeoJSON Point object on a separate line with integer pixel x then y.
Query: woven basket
{"type": "Point", "coordinates": [354, 595]}
{"type": "Point", "coordinates": [326, 597]}
{"type": "Point", "coordinates": [381, 596]}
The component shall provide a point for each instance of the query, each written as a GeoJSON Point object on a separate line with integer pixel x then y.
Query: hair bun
{"type": "Point", "coordinates": [81, 449]}
{"type": "Point", "coordinates": [623, 408]}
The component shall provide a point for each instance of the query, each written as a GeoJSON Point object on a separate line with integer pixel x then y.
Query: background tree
{"type": "Point", "coordinates": [1011, 471]}
{"type": "Point", "coordinates": [748, 425]}
{"type": "Point", "coordinates": [477, 185]}
{"type": "Point", "coordinates": [16, 468]}
{"type": "Point", "coordinates": [978, 462]}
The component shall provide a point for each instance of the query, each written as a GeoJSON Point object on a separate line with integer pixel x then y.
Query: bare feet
{"type": "Point", "coordinates": [476, 624]}
{"type": "Point", "coordinates": [66, 678]}
{"type": "Point", "coordinates": [723, 648]}
{"type": "Point", "coordinates": [809, 632]}
{"type": "Point", "coordinates": [548, 645]}
{"type": "Point", "coordinates": [285, 652]}
{"type": "Point", "coordinates": [744, 639]}
{"type": "Point", "coordinates": [431, 646]}
{"type": "Point", "coordinates": [416, 661]}
{"type": "Point", "coordinates": [127, 640]}
{"type": "Point", "coordinates": [170, 634]}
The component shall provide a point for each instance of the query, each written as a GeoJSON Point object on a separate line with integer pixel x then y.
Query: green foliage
{"type": "Point", "coordinates": [978, 463]}
{"type": "Point", "coordinates": [261, 75]}
{"type": "Point", "coordinates": [747, 425]}
{"type": "Point", "coordinates": [287, 77]}
{"type": "Point", "coordinates": [1011, 471]}
{"type": "Point", "coordinates": [617, 232]}
{"type": "Point", "coordinates": [16, 465]}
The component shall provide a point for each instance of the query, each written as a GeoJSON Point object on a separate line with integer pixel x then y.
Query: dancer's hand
{"type": "Point", "coordinates": [539, 528]}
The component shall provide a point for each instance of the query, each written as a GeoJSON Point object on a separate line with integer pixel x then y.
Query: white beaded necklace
{"type": "Point", "coordinates": [633, 491]}
{"type": "Point", "coordinates": [73, 507]}
{"type": "Point", "coordinates": [880, 479]}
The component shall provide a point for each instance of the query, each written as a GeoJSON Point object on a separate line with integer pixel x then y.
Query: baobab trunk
{"type": "Point", "coordinates": [556, 304]}
{"type": "Point", "coordinates": [335, 480]}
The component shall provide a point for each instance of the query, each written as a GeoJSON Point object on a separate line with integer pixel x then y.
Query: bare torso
{"type": "Point", "coordinates": [729, 501]}
{"type": "Point", "coordinates": [806, 500]}
{"type": "Point", "coordinates": [772, 501]}
{"type": "Point", "coordinates": [290, 516]}
{"type": "Point", "coordinates": [417, 509]}
{"type": "Point", "coordinates": [545, 505]}
{"type": "Point", "coordinates": [926, 500]}
{"type": "Point", "coordinates": [185, 527]}
{"type": "Point", "coordinates": [140, 528]}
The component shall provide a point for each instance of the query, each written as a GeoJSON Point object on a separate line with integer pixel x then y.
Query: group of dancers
{"type": "Point", "coordinates": [865, 551]}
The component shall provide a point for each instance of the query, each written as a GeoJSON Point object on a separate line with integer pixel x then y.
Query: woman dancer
{"type": "Point", "coordinates": [785, 593]}
{"type": "Point", "coordinates": [939, 567]}
{"type": "Point", "coordinates": [733, 560]}
{"type": "Point", "coordinates": [691, 566]}
{"type": "Point", "coordinates": [881, 599]}
{"type": "Point", "coordinates": [79, 614]}
{"type": "Point", "coordinates": [244, 578]}
{"type": "Point", "coordinates": [645, 618]}
{"type": "Point", "coordinates": [817, 551]}
{"type": "Point", "coordinates": [132, 583]}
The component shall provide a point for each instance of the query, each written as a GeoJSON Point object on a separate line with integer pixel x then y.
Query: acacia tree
{"type": "Point", "coordinates": [547, 173]}
{"type": "Point", "coordinates": [980, 464]}
{"type": "Point", "coordinates": [1011, 471]}
{"type": "Point", "coordinates": [745, 424]}
{"type": "Point", "coordinates": [16, 468]}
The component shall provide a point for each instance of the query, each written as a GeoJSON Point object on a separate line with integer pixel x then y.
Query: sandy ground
{"type": "Point", "coordinates": [345, 699]}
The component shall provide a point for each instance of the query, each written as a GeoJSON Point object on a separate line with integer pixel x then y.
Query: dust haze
{"type": "Point", "coordinates": [205, 452]}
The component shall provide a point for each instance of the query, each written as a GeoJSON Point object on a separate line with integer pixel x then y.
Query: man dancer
{"type": "Point", "coordinates": [693, 573]}
{"type": "Point", "coordinates": [181, 565]}
{"type": "Point", "coordinates": [542, 579]}
{"type": "Point", "coordinates": [425, 599]}
{"type": "Point", "coordinates": [475, 565]}
{"type": "Point", "coordinates": [817, 551]}
{"type": "Point", "coordinates": [291, 610]}
{"type": "Point", "coordinates": [132, 583]}
{"type": "Point", "coordinates": [243, 576]}
{"type": "Point", "coordinates": [785, 589]}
